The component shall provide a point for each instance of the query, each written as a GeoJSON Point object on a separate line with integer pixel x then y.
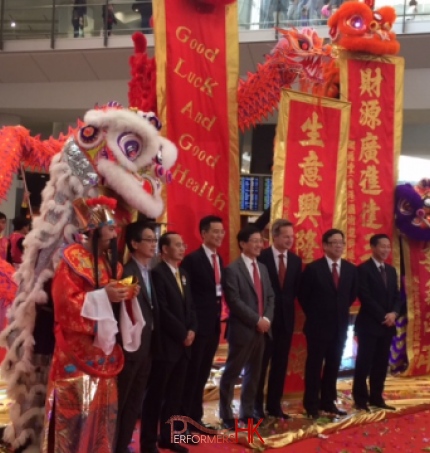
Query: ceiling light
{"type": "Point", "coordinates": [13, 24]}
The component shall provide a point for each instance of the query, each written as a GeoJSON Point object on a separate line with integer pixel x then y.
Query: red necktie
{"type": "Point", "coordinates": [216, 269]}
{"type": "Point", "coordinates": [335, 274]}
{"type": "Point", "coordinates": [258, 289]}
{"type": "Point", "coordinates": [282, 270]}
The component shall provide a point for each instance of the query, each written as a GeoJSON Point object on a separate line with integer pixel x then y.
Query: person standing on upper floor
{"type": "Point", "coordinates": [328, 287]}
{"type": "Point", "coordinates": [78, 18]}
{"type": "Point", "coordinates": [142, 244]}
{"type": "Point", "coordinates": [109, 19]}
{"type": "Point", "coordinates": [250, 298]}
{"type": "Point", "coordinates": [206, 271]}
{"type": "Point", "coordinates": [375, 325]}
{"type": "Point", "coordinates": [284, 268]}
{"type": "Point", "coordinates": [178, 325]}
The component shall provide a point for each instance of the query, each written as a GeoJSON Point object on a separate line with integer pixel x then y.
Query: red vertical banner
{"type": "Point", "coordinates": [309, 185]}
{"type": "Point", "coordinates": [374, 86]}
{"type": "Point", "coordinates": [197, 75]}
{"type": "Point", "coordinates": [417, 281]}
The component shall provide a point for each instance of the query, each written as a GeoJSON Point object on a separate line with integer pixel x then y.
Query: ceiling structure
{"type": "Point", "coordinates": [85, 60]}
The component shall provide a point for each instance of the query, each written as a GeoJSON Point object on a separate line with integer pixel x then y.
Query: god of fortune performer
{"type": "Point", "coordinates": [81, 403]}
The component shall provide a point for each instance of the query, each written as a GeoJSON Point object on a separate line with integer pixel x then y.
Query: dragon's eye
{"type": "Point", "coordinates": [131, 145]}
{"type": "Point", "coordinates": [89, 137]}
{"type": "Point", "coordinates": [304, 44]}
{"type": "Point", "coordinates": [356, 22]}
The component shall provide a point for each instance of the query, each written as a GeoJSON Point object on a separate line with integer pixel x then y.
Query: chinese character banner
{"type": "Point", "coordinates": [309, 184]}
{"type": "Point", "coordinates": [309, 173]}
{"type": "Point", "coordinates": [374, 86]}
{"type": "Point", "coordinates": [417, 280]}
{"type": "Point", "coordinates": [197, 75]}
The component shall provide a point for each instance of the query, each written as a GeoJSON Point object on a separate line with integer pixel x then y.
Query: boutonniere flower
{"type": "Point", "coordinates": [184, 280]}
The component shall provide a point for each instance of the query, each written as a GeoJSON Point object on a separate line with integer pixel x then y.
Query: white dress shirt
{"type": "Point", "coordinates": [248, 263]}
{"type": "Point", "coordinates": [330, 264]}
{"type": "Point", "coordinates": [276, 254]}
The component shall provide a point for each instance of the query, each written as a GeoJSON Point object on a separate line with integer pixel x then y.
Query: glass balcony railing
{"type": "Point", "coordinates": [77, 19]}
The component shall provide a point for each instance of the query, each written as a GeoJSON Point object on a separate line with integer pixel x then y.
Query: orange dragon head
{"type": "Point", "coordinates": [355, 27]}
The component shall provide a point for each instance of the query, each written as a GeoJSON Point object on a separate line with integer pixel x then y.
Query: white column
{"type": "Point", "coordinates": [8, 207]}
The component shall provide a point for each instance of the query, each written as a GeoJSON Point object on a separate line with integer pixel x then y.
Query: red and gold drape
{"type": "Point", "coordinates": [309, 184]}
{"type": "Point", "coordinates": [374, 86]}
{"type": "Point", "coordinates": [197, 74]}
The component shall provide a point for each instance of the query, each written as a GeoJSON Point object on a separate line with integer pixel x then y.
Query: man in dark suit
{"type": "Point", "coordinates": [163, 397]}
{"type": "Point", "coordinates": [327, 289]}
{"type": "Point", "coordinates": [205, 269]}
{"type": "Point", "coordinates": [250, 299]}
{"type": "Point", "coordinates": [285, 269]}
{"type": "Point", "coordinates": [141, 242]}
{"type": "Point", "coordinates": [375, 324]}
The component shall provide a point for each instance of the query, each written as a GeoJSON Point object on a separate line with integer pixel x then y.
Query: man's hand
{"type": "Point", "coordinates": [390, 319]}
{"type": "Point", "coordinates": [114, 293]}
{"type": "Point", "coordinates": [263, 325]}
{"type": "Point", "coordinates": [190, 338]}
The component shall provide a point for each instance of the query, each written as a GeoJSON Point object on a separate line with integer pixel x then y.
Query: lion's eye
{"type": "Point", "coordinates": [356, 22]}
{"type": "Point", "coordinates": [131, 145]}
{"type": "Point", "coordinates": [89, 137]}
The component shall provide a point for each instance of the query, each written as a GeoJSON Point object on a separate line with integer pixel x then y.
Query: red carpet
{"type": "Point", "coordinates": [404, 434]}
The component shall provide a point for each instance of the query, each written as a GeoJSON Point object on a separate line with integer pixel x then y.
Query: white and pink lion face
{"type": "Point", "coordinates": [122, 149]}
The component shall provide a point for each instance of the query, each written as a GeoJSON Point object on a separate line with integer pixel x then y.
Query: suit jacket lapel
{"type": "Point", "coordinates": [271, 266]}
{"type": "Point", "coordinates": [377, 273]}
{"type": "Point", "coordinates": [327, 270]}
{"type": "Point", "coordinates": [207, 264]}
{"type": "Point", "coordinates": [172, 279]}
{"type": "Point", "coordinates": [245, 272]}
{"type": "Point", "coordinates": [141, 282]}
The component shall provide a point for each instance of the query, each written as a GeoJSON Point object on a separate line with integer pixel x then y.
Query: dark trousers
{"type": "Point", "coordinates": [276, 352]}
{"type": "Point", "coordinates": [372, 361]}
{"type": "Point", "coordinates": [163, 398]}
{"type": "Point", "coordinates": [240, 357]}
{"type": "Point", "coordinates": [321, 370]}
{"type": "Point", "coordinates": [202, 354]}
{"type": "Point", "coordinates": [131, 389]}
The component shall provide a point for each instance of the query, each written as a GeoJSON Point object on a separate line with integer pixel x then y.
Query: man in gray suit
{"type": "Point", "coordinates": [250, 299]}
{"type": "Point", "coordinates": [142, 242]}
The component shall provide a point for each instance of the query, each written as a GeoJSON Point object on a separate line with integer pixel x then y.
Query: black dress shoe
{"type": "Point", "coordinates": [334, 410]}
{"type": "Point", "coordinates": [259, 414]}
{"type": "Point", "coordinates": [151, 449]}
{"type": "Point", "coordinates": [362, 407]}
{"type": "Point", "coordinates": [228, 423]}
{"type": "Point", "coordinates": [281, 415]}
{"type": "Point", "coordinates": [173, 447]}
{"type": "Point", "coordinates": [255, 420]}
{"type": "Point", "coordinates": [383, 405]}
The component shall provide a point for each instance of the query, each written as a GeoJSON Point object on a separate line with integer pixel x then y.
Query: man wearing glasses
{"type": "Point", "coordinates": [163, 397]}
{"type": "Point", "coordinates": [327, 290]}
{"type": "Point", "coordinates": [142, 243]}
{"type": "Point", "coordinates": [206, 270]}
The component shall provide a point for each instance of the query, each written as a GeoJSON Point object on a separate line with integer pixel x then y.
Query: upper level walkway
{"type": "Point", "coordinates": [39, 25]}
